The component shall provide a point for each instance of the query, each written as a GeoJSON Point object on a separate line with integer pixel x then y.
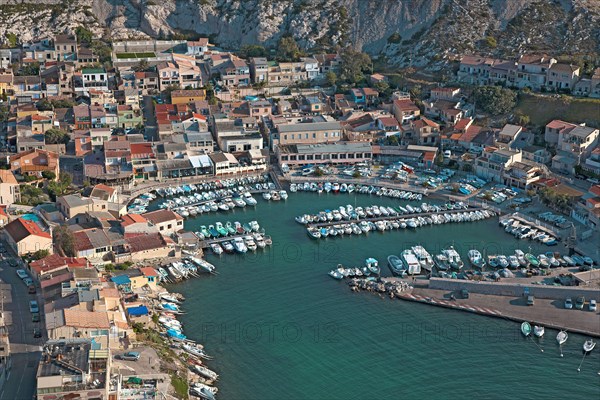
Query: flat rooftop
{"type": "Point", "coordinates": [339, 147]}
{"type": "Point", "coordinates": [64, 359]}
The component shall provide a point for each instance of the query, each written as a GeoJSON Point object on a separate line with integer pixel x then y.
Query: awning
{"type": "Point", "coordinates": [150, 168]}
{"type": "Point", "coordinates": [121, 280]}
{"type": "Point", "coordinates": [201, 161]}
{"type": "Point", "coordinates": [137, 311]}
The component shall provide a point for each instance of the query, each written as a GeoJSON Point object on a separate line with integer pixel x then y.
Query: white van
{"type": "Point", "coordinates": [447, 154]}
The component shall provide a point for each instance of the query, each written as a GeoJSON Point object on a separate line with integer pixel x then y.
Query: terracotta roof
{"type": "Point", "coordinates": [102, 191]}
{"type": "Point", "coordinates": [558, 124]}
{"type": "Point", "coordinates": [107, 292]}
{"type": "Point", "coordinates": [595, 190]}
{"type": "Point", "coordinates": [200, 42]}
{"type": "Point", "coordinates": [159, 216]}
{"type": "Point", "coordinates": [462, 124]}
{"type": "Point", "coordinates": [470, 134]}
{"type": "Point", "coordinates": [86, 319]}
{"type": "Point", "coordinates": [20, 229]}
{"type": "Point", "coordinates": [6, 176]}
{"type": "Point", "coordinates": [148, 271]}
{"type": "Point", "coordinates": [130, 219]}
{"type": "Point", "coordinates": [389, 121]}
{"type": "Point", "coordinates": [146, 242]}
{"type": "Point", "coordinates": [405, 105]}
{"type": "Point", "coordinates": [55, 261]}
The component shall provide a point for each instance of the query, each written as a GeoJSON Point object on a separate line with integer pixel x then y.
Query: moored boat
{"type": "Point", "coordinates": [373, 265]}
{"type": "Point", "coordinates": [588, 346]}
{"type": "Point", "coordinates": [396, 265]}
{"type": "Point", "coordinates": [476, 258]}
{"type": "Point", "coordinates": [411, 263]}
{"type": "Point", "coordinates": [562, 337]}
{"type": "Point", "coordinates": [525, 328]}
{"type": "Point", "coordinates": [538, 331]}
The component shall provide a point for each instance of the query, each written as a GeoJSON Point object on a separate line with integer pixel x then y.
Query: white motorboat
{"type": "Point", "coordinates": [423, 257]}
{"type": "Point", "coordinates": [205, 372]}
{"type": "Point", "coordinates": [239, 245]}
{"type": "Point", "coordinates": [538, 331]}
{"type": "Point", "coordinates": [216, 248]}
{"type": "Point", "coordinates": [411, 263]}
{"type": "Point", "coordinates": [562, 337]}
{"type": "Point", "coordinates": [476, 258]}
{"type": "Point", "coordinates": [589, 345]}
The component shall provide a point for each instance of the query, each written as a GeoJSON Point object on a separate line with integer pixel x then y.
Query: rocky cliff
{"type": "Point", "coordinates": [405, 31]}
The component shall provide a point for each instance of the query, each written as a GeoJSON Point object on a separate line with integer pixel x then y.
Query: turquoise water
{"type": "Point", "coordinates": [280, 328]}
{"type": "Point", "coordinates": [31, 217]}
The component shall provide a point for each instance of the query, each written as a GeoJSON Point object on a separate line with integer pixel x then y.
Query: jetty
{"type": "Point", "coordinates": [532, 223]}
{"type": "Point", "coordinates": [395, 217]}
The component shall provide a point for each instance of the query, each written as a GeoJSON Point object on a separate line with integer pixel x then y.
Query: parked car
{"type": "Point", "coordinates": [28, 282]}
{"type": "Point", "coordinates": [592, 305]}
{"type": "Point", "coordinates": [12, 262]}
{"type": "Point", "coordinates": [33, 307]}
{"type": "Point", "coordinates": [22, 274]}
{"type": "Point", "coordinates": [35, 317]}
{"type": "Point", "coordinates": [130, 356]}
{"type": "Point", "coordinates": [31, 289]}
{"type": "Point", "coordinates": [464, 293]}
{"type": "Point", "coordinates": [579, 303]}
{"type": "Point", "coordinates": [568, 303]}
{"type": "Point", "coordinates": [530, 300]}
{"type": "Point", "coordinates": [37, 333]}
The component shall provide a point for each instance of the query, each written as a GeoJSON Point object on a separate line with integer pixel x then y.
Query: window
{"type": "Point", "coordinates": [326, 134]}
{"type": "Point", "coordinates": [314, 135]}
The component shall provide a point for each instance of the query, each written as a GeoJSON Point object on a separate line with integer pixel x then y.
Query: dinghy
{"type": "Point", "coordinates": [538, 331]}
{"type": "Point", "coordinates": [589, 345]}
{"type": "Point", "coordinates": [562, 337]}
{"type": "Point", "coordinates": [525, 328]}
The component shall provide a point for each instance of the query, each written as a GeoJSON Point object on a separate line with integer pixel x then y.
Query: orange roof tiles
{"type": "Point", "coordinates": [86, 319]}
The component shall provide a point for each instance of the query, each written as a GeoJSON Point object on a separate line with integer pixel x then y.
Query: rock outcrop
{"type": "Point", "coordinates": [404, 31]}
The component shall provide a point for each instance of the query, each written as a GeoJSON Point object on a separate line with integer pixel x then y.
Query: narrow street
{"type": "Point", "coordinates": [25, 349]}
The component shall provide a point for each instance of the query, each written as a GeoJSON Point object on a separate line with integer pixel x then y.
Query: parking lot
{"type": "Point", "coordinates": [148, 363]}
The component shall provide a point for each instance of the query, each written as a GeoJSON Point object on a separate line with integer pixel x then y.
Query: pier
{"type": "Point", "coordinates": [207, 242]}
{"type": "Point", "coordinates": [534, 224]}
{"type": "Point", "coordinates": [393, 217]}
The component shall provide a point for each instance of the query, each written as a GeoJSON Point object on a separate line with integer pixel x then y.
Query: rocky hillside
{"type": "Point", "coordinates": [416, 32]}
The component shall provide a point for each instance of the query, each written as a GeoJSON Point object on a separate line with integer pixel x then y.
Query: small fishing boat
{"type": "Point", "coordinates": [589, 345]}
{"type": "Point", "coordinates": [335, 274]}
{"type": "Point", "coordinates": [314, 233]}
{"type": "Point", "coordinates": [221, 229]}
{"type": "Point", "coordinates": [562, 337]}
{"type": "Point", "coordinates": [532, 260]}
{"type": "Point", "coordinates": [526, 329]}
{"type": "Point", "coordinates": [218, 250]}
{"type": "Point", "coordinates": [213, 231]}
{"type": "Point", "coordinates": [228, 247]}
{"type": "Point", "coordinates": [205, 372]}
{"type": "Point", "coordinates": [476, 258]}
{"type": "Point", "coordinates": [373, 266]}
{"type": "Point", "coordinates": [396, 265]}
{"type": "Point", "coordinates": [538, 331]}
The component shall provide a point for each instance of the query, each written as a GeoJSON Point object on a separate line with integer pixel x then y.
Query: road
{"type": "Point", "coordinates": [25, 349]}
{"type": "Point", "coordinates": [151, 133]}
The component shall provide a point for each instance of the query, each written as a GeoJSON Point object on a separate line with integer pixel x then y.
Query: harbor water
{"type": "Point", "coordinates": [280, 328]}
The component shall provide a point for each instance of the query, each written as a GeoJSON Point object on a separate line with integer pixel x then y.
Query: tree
{"type": "Point", "coordinates": [141, 66]}
{"type": "Point", "coordinates": [331, 78]}
{"type": "Point", "coordinates": [491, 42]}
{"type": "Point", "coordinates": [383, 88]}
{"type": "Point", "coordinates": [102, 50]}
{"type": "Point", "coordinates": [42, 253]}
{"type": "Point", "coordinates": [48, 175]}
{"type": "Point", "coordinates": [58, 188]}
{"type": "Point", "coordinates": [523, 119]}
{"type": "Point", "coordinates": [29, 69]}
{"type": "Point", "coordinates": [12, 39]}
{"type": "Point", "coordinates": [84, 35]}
{"type": "Point", "coordinates": [44, 105]}
{"type": "Point", "coordinates": [494, 100]}
{"type": "Point", "coordinates": [56, 136]}
{"type": "Point", "coordinates": [253, 50]}
{"type": "Point", "coordinates": [63, 239]}
{"type": "Point", "coordinates": [395, 38]}
{"type": "Point", "coordinates": [354, 65]}
{"type": "Point", "coordinates": [287, 49]}
{"type": "Point", "coordinates": [392, 140]}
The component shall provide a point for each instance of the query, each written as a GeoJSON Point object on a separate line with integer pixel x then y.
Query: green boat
{"type": "Point", "coordinates": [525, 329]}
{"type": "Point", "coordinates": [247, 227]}
{"type": "Point", "coordinates": [230, 228]}
{"type": "Point", "coordinates": [221, 229]}
{"type": "Point", "coordinates": [532, 260]}
{"type": "Point", "coordinates": [204, 231]}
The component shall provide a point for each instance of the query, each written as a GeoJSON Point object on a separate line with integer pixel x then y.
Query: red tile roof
{"type": "Point", "coordinates": [20, 229]}
{"type": "Point", "coordinates": [54, 261]}
{"type": "Point", "coordinates": [148, 271]}
{"type": "Point", "coordinates": [130, 219]}
{"type": "Point", "coordinates": [595, 190]}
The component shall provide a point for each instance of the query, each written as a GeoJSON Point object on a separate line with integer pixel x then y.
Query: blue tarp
{"type": "Point", "coordinates": [121, 280]}
{"type": "Point", "coordinates": [137, 311]}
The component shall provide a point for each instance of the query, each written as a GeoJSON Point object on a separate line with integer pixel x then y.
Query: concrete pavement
{"type": "Point", "coordinates": [151, 133]}
{"type": "Point", "coordinates": [25, 349]}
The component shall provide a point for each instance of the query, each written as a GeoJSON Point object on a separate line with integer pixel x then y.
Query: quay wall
{"type": "Point", "coordinates": [515, 289]}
